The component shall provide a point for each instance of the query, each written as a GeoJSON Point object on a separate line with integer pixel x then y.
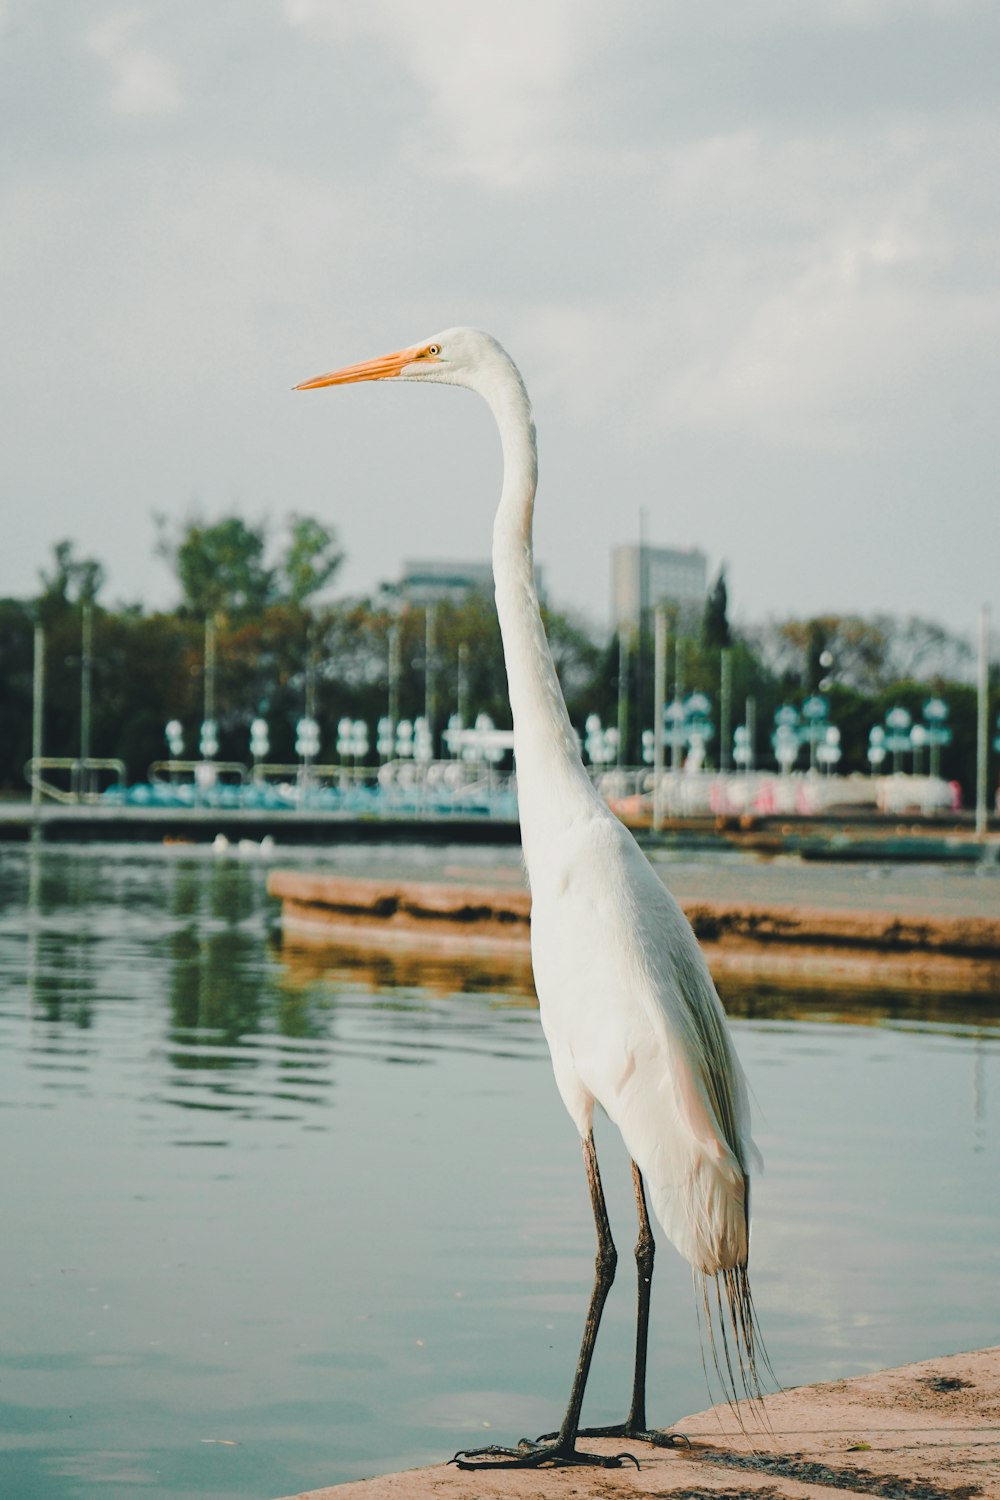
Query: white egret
{"type": "Point", "coordinates": [627, 1004]}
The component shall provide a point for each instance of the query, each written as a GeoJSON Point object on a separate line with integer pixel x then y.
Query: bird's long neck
{"type": "Point", "coordinates": [549, 769]}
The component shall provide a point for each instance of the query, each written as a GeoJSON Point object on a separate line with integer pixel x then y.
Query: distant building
{"type": "Point", "coordinates": [433, 581]}
{"type": "Point", "coordinates": [643, 578]}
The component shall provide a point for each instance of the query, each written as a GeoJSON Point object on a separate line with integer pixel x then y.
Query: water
{"type": "Point", "coordinates": [269, 1224]}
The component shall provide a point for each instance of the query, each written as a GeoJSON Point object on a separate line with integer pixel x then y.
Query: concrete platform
{"type": "Point", "coordinates": [890, 947]}
{"type": "Point", "coordinates": [927, 1431]}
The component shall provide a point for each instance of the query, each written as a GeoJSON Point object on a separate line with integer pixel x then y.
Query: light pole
{"type": "Point", "coordinates": [307, 748]}
{"type": "Point", "coordinates": [174, 736]}
{"type": "Point", "coordinates": [785, 739]}
{"type": "Point", "coordinates": [208, 713]}
{"type": "Point", "coordinates": [600, 744]}
{"type": "Point", "coordinates": [463, 685]}
{"type": "Point", "coordinates": [37, 713]}
{"type": "Point", "coordinates": [623, 670]}
{"type": "Point", "coordinates": [876, 747]}
{"type": "Point", "coordinates": [918, 740]}
{"type": "Point", "coordinates": [430, 642]}
{"type": "Point", "coordinates": [674, 715]}
{"type": "Point", "coordinates": [828, 753]}
{"type": "Point", "coordinates": [352, 744]}
{"type": "Point", "coordinates": [936, 730]}
{"type": "Point", "coordinates": [898, 721]}
{"type": "Point", "coordinates": [982, 719]}
{"type": "Point", "coordinates": [698, 728]}
{"type": "Point", "coordinates": [659, 693]}
{"type": "Point", "coordinates": [86, 667]}
{"type": "Point", "coordinates": [394, 668]}
{"type": "Point", "coordinates": [815, 711]}
{"type": "Point", "coordinates": [725, 705]}
{"type": "Point", "coordinates": [209, 741]}
{"type": "Point", "coordinates": [260, 741]}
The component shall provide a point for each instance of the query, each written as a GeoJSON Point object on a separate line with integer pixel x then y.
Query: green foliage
{"type": "Point", "coordinates": [72, 580]}
{"type": "Point", "coordinates": [222, 570]}
{"type": "Point", "coordinates": [312, 559]}
{"type": "Point", "coordinates": [578, 659]}
{"type": "Point", "coordinates": [715, 629]}
{"type": "Point", "coordinates": [220, 567]}
{"type": "Point", "coordinates": [869, 654]}
{"type": "Point", "coordinates": [16, 670]}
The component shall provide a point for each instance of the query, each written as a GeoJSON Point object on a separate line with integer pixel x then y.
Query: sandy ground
{"type": "Point", "coordinates": [927, 1431]}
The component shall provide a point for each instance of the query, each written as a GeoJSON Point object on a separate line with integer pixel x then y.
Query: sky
{"type": "Point", "coordinates": [746, 255]}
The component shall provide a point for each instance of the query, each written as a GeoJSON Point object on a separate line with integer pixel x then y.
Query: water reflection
{"type": "Point", "coordinates": [249, 1022]}
{"type": "Point", "coordinates": [948, 1011]}
{"type": "Point", "coordinates": [436, 972]}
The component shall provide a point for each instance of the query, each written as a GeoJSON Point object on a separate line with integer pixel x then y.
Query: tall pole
{"type": "Point", "coordinates": [675, 723]}
{"type": "Point", "coordinates": [393, 679]}
{"type": "Point", "coordinates": [725, 707]}
{"type": "Point", "coordinates": [982, 719]}
{"type": "Point", "coordinates": [209, 705]}
{"type": "Point", "coordinates": [86, 668]}
{"type": "Point", "coordinates": [644, 603]}
{"type": "Point", "coordinates": [622, 692]}
{"type": "Point", "coordinates": [37, 710]}
{"type": "Point", "coordinates": [430, 643]}
{"type": "Point", "coordinates": [463, 684]}
{"type": "Point", "coordinates": [659, 696]}
{"type": "Point", "coordinates": [751, 723]}
{"type": "Point", "coordinates": [310, 703]}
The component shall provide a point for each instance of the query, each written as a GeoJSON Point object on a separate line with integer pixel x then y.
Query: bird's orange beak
{"type": "Point", "coordinates": [383, 368]}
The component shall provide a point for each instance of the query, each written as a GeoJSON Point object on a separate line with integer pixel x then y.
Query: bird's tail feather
{"type": "Point", "coordinates": [737, 1350]}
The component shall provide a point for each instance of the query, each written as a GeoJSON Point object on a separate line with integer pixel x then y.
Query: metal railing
{"type": "Point", "coordinates": [82, 776]}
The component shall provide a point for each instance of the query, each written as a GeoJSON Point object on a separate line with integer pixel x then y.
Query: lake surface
{"type": "Point", "coordinates": [271, 1222]}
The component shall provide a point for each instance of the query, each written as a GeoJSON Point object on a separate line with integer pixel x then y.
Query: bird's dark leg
{"type": "Point", "coordinates": [560, 1448]}
{"type": "Point", "coordinates": [634, 1425]}
{"type": "Point", "coordinates": [645, 1250]}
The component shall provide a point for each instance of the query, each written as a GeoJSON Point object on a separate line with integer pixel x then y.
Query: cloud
{"type": "Point", "coordinates": [495, 80]}
{"type": "Point", "coordinates": [804, 292]}
{"type": "Point", "coordinates": [142, 83]}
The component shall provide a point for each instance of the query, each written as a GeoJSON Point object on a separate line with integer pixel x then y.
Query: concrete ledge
{"type": "Point", "coordinates": [808, 944]}
{"type": "Point", "coordinates": [340, 909]}
{"type": "Point", "coordinates": [928, 1431]}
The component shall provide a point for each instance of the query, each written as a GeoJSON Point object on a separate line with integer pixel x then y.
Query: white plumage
{"type": "Point", "coordinates": [659, 1059]}
{"type": "Point", "coordinates": [627, 1004]}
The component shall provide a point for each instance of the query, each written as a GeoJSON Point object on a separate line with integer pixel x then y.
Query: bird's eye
{"type": "Point", "coordinates": [433, 348]}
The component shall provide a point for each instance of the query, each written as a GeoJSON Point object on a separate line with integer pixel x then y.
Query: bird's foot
{"type": "Point", "coordinates": [654, 1435]}
{"type": "Point", "coordinates": [528, 1455]}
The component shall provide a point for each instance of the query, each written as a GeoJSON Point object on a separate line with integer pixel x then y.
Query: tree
{"type": "Point", "coordinates": [73, 580]}
{"type": "Point", "coordinates": [220, 567]}
{"type": "Point", "coordinates": [311, 560]}
{"type": "Point", "coordinates": [16, 666]}
{"type": "Point", "coordinates": [791, 649]}
{"type": "Point", "coordinates": [715, 630]}
{"type": "Point", "coordinates": [578, 661]}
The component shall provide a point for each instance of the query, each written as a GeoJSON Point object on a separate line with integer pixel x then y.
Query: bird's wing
{"type": "Point", "coordinates": [631, 1013]}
